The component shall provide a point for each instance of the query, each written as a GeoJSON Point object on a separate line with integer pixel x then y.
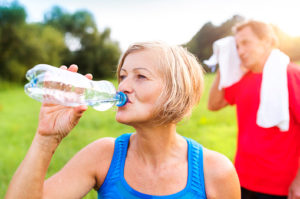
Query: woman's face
{"type": "Point", "coordinates": [141, 80]}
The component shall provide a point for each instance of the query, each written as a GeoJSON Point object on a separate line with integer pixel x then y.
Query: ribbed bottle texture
{"type": "Point", "coordinates": [56, 86]}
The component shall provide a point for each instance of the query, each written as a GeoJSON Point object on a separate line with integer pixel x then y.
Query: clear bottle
{"type": "Point", "coordinates": [56, 86]}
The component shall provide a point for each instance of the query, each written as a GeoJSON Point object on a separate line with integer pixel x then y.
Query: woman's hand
{"type": "Point", "coordinates": [56, 121]}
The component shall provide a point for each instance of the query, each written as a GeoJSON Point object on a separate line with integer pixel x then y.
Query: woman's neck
{"type": "Point", "coordinates": [156, 144]}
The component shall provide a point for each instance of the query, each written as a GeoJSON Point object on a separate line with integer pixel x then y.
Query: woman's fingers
{"type": "Point", "coordinates": [89, 76]}
{"type": "Point", "coordinates": [63, 67]}
{"type": "Point", "coordinates": [73, 68]}
{"type": "Point", "coordinates": [79, 110]}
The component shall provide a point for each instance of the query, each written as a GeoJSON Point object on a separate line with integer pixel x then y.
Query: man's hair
{"type": "Point", "coordinates": [182, 77]}
{"type": "Point", "coordinates": [262, 30]}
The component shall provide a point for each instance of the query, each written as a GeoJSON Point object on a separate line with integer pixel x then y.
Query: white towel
{"type": "Point", "coordinates": [274, 105]}
{"type": "Point", "coordinates": [225, 54]}
{"type": "Point", "coordinates": [274, 97]}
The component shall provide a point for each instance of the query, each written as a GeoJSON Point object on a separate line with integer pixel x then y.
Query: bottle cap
{"type": "Point", "coordinates": [122, 99]}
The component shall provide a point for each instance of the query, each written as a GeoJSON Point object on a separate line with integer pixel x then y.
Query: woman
{"type": "Point", "coordinates": [163, 83]}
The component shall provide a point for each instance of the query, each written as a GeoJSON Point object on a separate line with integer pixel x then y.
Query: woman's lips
{"type": "Point", "coordinates": [128, 101]}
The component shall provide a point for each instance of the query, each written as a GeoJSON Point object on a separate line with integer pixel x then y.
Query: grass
{"type": "Point", "coordinates": [19, 118]}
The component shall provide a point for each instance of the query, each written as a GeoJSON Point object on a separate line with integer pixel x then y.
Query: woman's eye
{"type": "Point", "coordinates": [141, 77]}
{"type": "Point", "coordinates": [122, 77]}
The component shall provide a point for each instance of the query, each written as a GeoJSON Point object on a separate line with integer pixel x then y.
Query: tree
{"type": "Point", "coordinates": [24, 45]}
{"type": "Point", "coordinates": [12, 22]}
{"type": "Point", "coordinates": [201, 43]}
{"type": "Point", "coordinates": [93, 51]}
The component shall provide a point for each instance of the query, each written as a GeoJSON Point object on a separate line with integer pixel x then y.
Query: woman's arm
{"type": "Point", "coordinates": [55, 122]}
{"type": "Point", "coordinates": [27, 181]}
{"type": "Point", "coordinates": [221, 180]}
{"type": "Point", "coordinates": [85, 171]}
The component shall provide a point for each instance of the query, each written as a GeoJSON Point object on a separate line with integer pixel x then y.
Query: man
{"type": "Point", "coordinates": [267, 160]}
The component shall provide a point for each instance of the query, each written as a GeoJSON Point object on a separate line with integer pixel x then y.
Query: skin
{"type": "Point", "coordinates": [156, 154]}
{"type": "Point", "coordinates": [294, 189]}
{"type": "Point", "coordinates": [253, 54]}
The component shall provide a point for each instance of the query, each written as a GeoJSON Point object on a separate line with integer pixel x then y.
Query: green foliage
{"type": "Point", "coordinates": [23, 45]}
{"type": "Point", "coordinates": [13, 14]}
{"type": "Point", "coordinates": [201, 43]}
{"type": "Point", "coordinates": [76, 23]}
{"type": "Point", "coordinates": [19, 117]}
{"type": "Point", "coordinates": [96, 53]}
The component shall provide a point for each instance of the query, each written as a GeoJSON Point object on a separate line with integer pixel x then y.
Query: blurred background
{"type": "Point", "coordinates": [93, 34]}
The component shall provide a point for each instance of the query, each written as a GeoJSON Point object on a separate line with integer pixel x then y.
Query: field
{"type": "Point", "coordinates": [19, 117]}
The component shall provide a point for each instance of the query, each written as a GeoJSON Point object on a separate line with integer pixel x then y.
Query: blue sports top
{"type": "Point", "coordinates": [116, 187]}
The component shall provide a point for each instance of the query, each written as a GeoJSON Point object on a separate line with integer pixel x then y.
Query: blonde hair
{"type": "Point", "coordinates": [262, 30]}
{"type": "Point", "coordinates": [183, 78]}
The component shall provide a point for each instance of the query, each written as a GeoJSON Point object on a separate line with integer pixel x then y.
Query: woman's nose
{"type": "Point", "coordinates": [125, 86]}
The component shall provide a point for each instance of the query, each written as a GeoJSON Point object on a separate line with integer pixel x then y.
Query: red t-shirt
{"type": "Point", "coordinates": [267, 159]}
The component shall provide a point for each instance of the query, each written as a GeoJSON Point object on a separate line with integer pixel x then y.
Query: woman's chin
{"type": "Point", "coordinates": [122, 120]}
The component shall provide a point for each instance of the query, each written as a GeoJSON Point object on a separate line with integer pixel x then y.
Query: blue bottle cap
{"type": "Point", "coordinates": [122, 99]}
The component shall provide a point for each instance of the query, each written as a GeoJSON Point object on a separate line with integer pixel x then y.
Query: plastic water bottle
{"type": "Point", "coordinates": [57, 86]}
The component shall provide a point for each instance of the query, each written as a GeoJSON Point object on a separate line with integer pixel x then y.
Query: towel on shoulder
{"type": "Point", "coordinates": [274, 105]}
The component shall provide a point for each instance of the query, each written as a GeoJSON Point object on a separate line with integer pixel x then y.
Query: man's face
{"type": "Point", "coordinates": [252, 51]}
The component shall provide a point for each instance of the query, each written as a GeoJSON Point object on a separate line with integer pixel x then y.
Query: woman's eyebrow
{"type": "Point", "coordinates": [138, 69]}
{"type": "Point", "coordinates": [142, 68]}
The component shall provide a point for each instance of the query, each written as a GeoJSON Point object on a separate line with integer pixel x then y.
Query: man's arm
{"type": "Point", "coordinates": [216, 99]}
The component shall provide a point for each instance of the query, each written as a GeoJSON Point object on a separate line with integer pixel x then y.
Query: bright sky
{"type": "Point", "coordinates": [172, 21]}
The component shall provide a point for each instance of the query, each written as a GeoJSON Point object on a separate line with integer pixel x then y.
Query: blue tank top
{"type": "Point", "coordinates": [116, 187]}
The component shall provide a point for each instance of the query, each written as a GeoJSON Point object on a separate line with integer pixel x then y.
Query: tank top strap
{"type": "Point", "coordinates": [114, 185]}
{"type": "Point", "coordinates": [117, 163]}
{"type": "Point", "coordinates": [195, 160]}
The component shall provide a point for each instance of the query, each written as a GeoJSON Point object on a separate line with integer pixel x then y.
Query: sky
{"type": "Point", "coordinates": [171, 21]}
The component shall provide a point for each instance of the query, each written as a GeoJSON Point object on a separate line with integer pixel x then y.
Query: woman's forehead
{"type": "Point", "coordinates": [142, 59]}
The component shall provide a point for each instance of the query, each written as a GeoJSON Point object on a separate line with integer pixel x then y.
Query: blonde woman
{"type": "Point", "coordinates": [163, 84]}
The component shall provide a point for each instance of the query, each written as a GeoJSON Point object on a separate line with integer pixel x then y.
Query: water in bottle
{"type": "Point", "coordinates": [57, 86]}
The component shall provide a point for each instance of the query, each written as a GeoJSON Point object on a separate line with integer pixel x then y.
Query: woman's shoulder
{"type": "Point", "coordinates": [220, 175]}
{"type": "Point", "coordinates": [217, 162]}
{"type": "Point", "coordinates": [100, 152]}
{"type": "Point", "coordinates": [101, 147]}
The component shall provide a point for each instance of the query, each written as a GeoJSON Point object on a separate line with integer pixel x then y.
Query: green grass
{"type": "Point", "coordinates": [19, 117]}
